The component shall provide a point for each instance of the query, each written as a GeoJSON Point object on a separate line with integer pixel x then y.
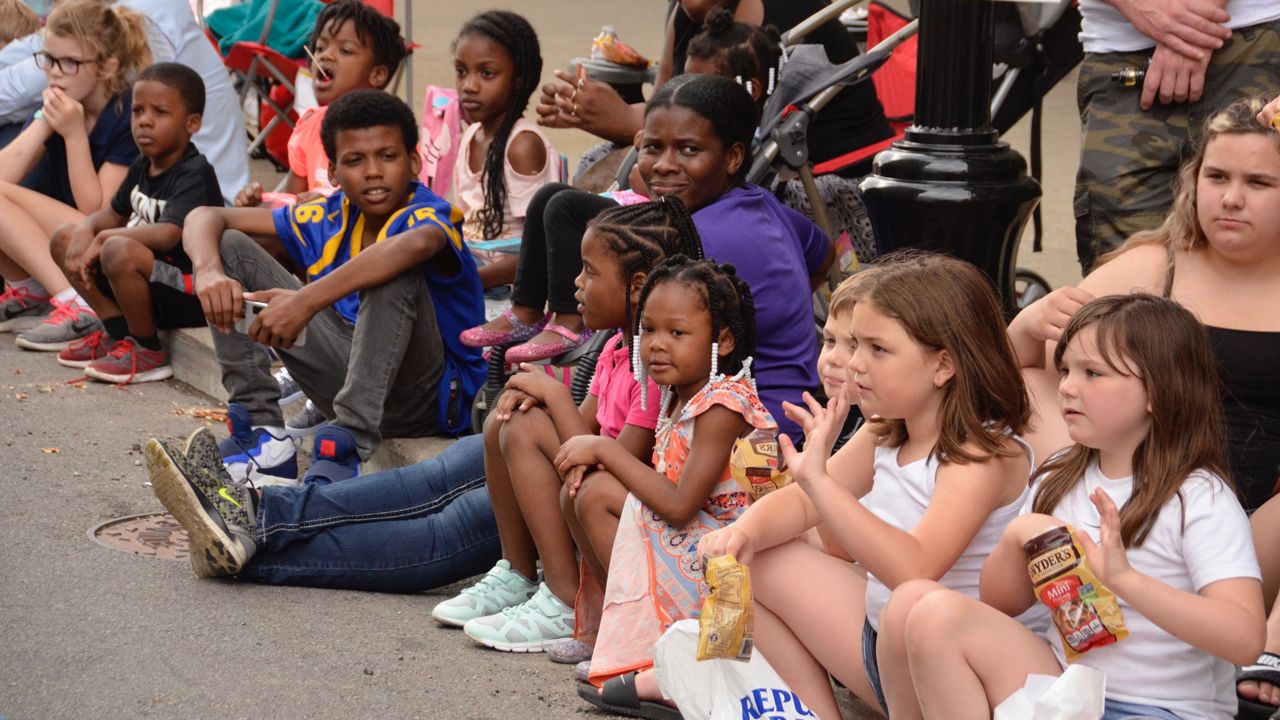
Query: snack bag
{"type": "Point", "coordinates": [608, 47]}
{"type": "Point", "coordinates": [1086, 614]}
{"type": "Point", "coordinates": [755, 464]}
{"type": "Point", "coordinates": [724, 627]}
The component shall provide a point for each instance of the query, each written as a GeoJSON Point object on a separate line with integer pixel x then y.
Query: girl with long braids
{"type": "Point", "coordinates": [509, 609]}
{"type": "Point", "coordinates": [504, 158]}
{"type": "Point", "coordinates": [695, 336]}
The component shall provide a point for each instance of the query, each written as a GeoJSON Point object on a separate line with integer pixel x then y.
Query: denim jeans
{"type": "Point", "coordinates": [403, 530]}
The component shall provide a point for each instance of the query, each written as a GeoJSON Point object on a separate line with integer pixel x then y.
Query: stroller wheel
{"type": "Point", "coordinates": [1029, 286]}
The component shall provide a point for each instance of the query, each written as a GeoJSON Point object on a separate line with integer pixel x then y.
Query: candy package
{"type": "Point", "coordinates": [1086, 614]}
{"type": "Point", "coordinates": [755, 464]}
{"type": "Point", "coordinates": [724, 627]}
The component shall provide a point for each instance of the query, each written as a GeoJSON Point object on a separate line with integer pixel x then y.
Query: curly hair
{"type": "Point", "coordinates": [360, 109]}
{"type": "Point", "coordinates": [187, 82]}
{"type": "Point", "coordinates": [378, 32]}
{"type": "Point", "coordinates": [515, 35]}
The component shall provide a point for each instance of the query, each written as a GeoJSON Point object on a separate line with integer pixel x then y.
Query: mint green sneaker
{"type": "Point", "coordinates": [500, 588]}
{"type": "Point", "coordinates": [529, 627]}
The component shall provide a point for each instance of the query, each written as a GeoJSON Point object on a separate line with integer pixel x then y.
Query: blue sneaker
{"type": "Point", "coordinates": [261, 455]}
{"type": "Point", "coordinates": [334, 457]}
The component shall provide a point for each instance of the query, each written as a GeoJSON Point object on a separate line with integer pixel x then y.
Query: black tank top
{"type": "Point", "coordinates": [1249, 375]}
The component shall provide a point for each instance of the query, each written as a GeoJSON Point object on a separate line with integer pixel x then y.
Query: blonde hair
{"type": "Point", "coordinates": [105, 31]}
{"type": "Point", "coordinates": [1167, 348]}
{"type": "Point", "coordinates": [1181, 230]}
{"type": "Point", "coordinates": [947, 304]}
{"type": "Point", "coordinates": [16, 20]}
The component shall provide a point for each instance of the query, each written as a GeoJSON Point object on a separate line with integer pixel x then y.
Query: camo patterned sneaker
{"type": "Point", "coordinates": [500, 588]}
{"type": "Point", "coordinates": [20, 309]}
{"type": "Point", "coordinates": [67, 323]}
{"type": "Point", "coordinates": [219, 545]}
{"type": "Point", "coordinates": [529, 627]}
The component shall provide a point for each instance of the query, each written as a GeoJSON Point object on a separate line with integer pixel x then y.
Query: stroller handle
{"type": "Point", "coordinates": [811, 23]}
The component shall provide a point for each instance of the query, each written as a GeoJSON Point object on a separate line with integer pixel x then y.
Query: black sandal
{"type": "Point", "coordinates": [1265, 669]}
{"type": "Point", "coordinates": [619, 697]}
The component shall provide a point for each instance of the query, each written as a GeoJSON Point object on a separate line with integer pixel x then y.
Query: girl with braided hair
{"type": "Point", "coordinates": [504, 158]}
{"type": "Point", "coordinates": [509, 609]}
{"type": "Point", "coordinates": [695, 336]}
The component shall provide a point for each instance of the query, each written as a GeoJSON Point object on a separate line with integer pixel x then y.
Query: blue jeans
{"type": "Point", "coordinates": [1116, 710]}
{"type": "Point", "coordinates": [402, 530]}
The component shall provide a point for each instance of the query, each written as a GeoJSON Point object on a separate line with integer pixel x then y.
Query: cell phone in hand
{"type": "Point", "coordinates": [251, 310]}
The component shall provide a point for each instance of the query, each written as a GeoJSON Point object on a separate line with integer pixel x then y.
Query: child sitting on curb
{"type": "Point", "coordinates": [126, 260]}
{"type": "Point", "coordinates": [389, 286]}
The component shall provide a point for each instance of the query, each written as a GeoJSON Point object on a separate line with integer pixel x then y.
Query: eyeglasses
{"type": "Point", "coordinates": [68, 66]}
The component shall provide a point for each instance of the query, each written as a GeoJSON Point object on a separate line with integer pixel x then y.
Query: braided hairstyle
{"type": "Point", "coordinates": [725, 296]}
{"type": "Point", "coordinates": [378, 32]}
{"type": "Point", "coordinates": [643, 235]}
{"type": "Point", "coordinates": [742, 51]}
{"type": "Point", "coordinates": [516, 36]}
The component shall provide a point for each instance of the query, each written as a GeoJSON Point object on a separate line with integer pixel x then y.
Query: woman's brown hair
{"type": "Point", "coordinates": [105, 31]}
{"type": "Point", "coordinates": [1181, 230]}
{"type": "Point", "coordinates": [1165, 346]}
{"type": "Point", "coordinates": [947, 304]}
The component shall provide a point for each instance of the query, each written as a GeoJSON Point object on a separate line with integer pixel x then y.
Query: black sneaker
{"type": "Point", "coordinates": [220, 545]}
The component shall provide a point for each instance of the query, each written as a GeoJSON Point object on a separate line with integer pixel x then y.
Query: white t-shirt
{"type": "Point", "coordinates": [1151, 666]}
{"type": "Point", "coordinates": [1104, 29]}
{"type": "Point", "coordinates": [901, 494]}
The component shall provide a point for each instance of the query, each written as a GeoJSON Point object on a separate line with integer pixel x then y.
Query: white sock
{"type": "Point", "coordinates": [70, 296]}
{"type": "Point", "coordinates": [31, 285]}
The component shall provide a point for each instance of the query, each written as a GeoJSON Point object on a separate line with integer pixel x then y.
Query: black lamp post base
{"type": "Point", "coordinates": [970, 201]}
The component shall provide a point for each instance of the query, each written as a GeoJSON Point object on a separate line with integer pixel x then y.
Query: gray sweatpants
{"type": "Point", "coordinates": [378, 376]}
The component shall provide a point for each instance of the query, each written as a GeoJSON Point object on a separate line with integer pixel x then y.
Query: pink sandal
{"type": "Point", "coordinates": [533, 352]}
{"type": "Point", "coordinates": [520, 331]}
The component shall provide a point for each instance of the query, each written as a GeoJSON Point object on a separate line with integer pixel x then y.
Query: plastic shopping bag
{"type": "Point", "coordinates": [721, 689]}
{"type": "Point", "coordinates": [1077, 694]}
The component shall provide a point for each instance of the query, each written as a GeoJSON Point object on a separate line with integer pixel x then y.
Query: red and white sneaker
{"type": "Point", "coordinates": [85, 350]}
{"type": "Point", "coordinates": [129, 362]}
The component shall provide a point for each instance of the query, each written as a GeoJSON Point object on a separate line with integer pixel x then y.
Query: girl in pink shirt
{"type": "Point", "coordinates": [509, 609]}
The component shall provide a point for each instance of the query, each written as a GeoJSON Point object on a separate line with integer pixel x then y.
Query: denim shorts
{"type": "Point", "coordinates": [1116, 710]}
{"type": "Point", "coordinates": [869, 637]}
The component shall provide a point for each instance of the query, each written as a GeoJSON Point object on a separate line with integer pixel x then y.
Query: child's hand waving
{"type": "Point", "coordinates": [821, 430]}
{"type": "Point", "coordinates": [1107, 557]}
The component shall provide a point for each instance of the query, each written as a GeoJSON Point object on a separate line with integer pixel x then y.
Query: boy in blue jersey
{"type": "Point", "coordinates": [389, 288]}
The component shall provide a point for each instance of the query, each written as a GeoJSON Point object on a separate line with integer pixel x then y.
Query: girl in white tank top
{"type": "Point", "coordinates": [922, 491]}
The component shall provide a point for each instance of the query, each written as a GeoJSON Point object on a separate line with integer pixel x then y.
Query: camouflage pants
{"type": "Point", "coordinates": [1129, 158]}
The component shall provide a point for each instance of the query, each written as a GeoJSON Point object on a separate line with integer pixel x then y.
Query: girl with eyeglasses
{"type": "Point", "coordinates": [67, 162]}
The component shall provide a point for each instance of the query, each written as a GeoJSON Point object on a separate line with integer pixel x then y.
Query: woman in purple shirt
{"type": "Point", "coordinates": [696, 145]}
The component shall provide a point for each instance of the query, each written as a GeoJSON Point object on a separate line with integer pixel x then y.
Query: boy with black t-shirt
{"type": "Point", "coordinates": [126, 260]}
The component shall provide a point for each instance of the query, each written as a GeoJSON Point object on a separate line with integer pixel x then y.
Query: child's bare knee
{"type": "Point", "coordinates": [523, 429]}
{"type": "Point", "coordinates": [59, 241]}
{"type": "Point", "coordinates": [933, 618]}
{"type": "Point", "coordinates": [122, 255]}
{"type": "Point", "coordinates": [904, 599]}
{"type": "Point", "coordinates": [593, 493]}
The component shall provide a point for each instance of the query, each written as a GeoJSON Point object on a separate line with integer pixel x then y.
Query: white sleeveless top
{"type": "Point", "coordinates": [1104, 29]}
{"type": "Point", "coordinates": [520, 188]}
{"type": "Point", "coordinates": [901, 494]}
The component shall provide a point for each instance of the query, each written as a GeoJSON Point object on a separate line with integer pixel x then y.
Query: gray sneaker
{"type": "Point", "coordinates": [290, 390]}
{"type": "Point", "coordinates": [220, 534]}
{"type": "Point", "coordinates": [67, 323]}
{"type": "Point", "coordinates": [19, 309]}
{"type": "Point", "coordinates": [306, 422]}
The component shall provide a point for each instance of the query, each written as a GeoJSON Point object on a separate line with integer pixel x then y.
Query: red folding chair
{"type": "Point", "coordinates": [388, 8]}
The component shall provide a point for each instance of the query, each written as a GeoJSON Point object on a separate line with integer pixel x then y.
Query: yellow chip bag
{"type": "Point", "coordinates": [755, 464]}
{"type": "Point", "coordinates": [1086, 614]}
{"type": "Point", "coordinates": [724, 627]}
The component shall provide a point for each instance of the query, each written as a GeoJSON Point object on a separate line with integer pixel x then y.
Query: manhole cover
{"type": "Point", "coordinates": [153, 535]}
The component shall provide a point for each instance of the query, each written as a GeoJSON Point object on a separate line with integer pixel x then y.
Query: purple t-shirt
{"type": "Point", "coordinates": [775, 250]}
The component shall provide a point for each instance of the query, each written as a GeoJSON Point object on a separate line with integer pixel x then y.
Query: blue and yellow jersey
{"type": "Point", "coordinates": [323, 234]}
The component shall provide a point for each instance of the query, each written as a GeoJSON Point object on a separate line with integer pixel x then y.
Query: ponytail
{"type": "Point", "coordinates": [105, 31]}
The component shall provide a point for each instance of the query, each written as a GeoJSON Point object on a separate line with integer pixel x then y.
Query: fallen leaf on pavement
{"type": "Point", "coordinates": [20, 396]}
{"type": "Point", "coordinates": [50, 451]}
{"type": "Point", "coordinates": [199, 413]}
